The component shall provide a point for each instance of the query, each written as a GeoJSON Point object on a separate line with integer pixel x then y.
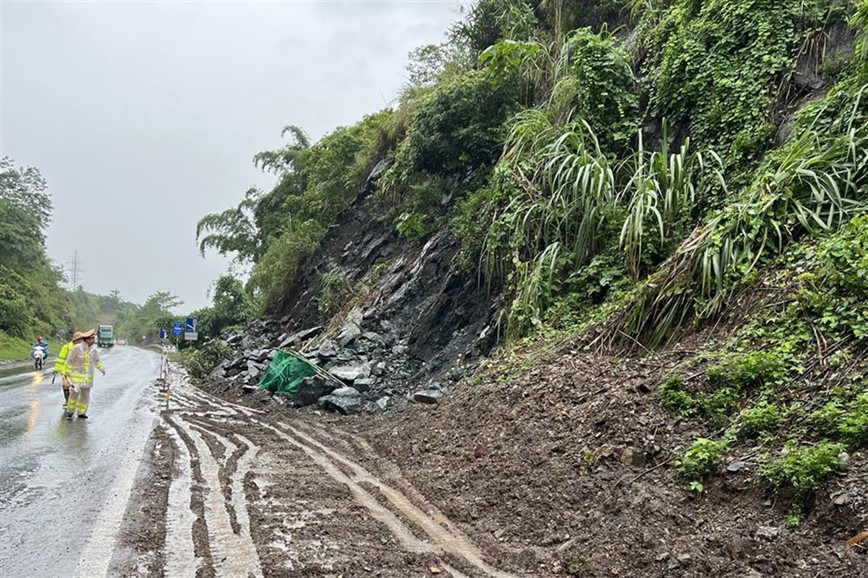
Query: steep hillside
{"type": "Point", "coordinates": [409, 320]}
{"type": "Point", "coordinates": [600, 296]}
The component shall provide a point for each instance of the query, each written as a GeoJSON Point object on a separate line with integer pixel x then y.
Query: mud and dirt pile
{"type": "Point", "coordinates": [565, 468]}
{"type": "Point", "coordinates": [571, 463]}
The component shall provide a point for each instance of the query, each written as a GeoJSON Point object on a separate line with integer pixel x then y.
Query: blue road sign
{"type": "Point", "coordinates": [162, 333]}
{"type": "Point", "coordinates": [191, 325]}
{"type": "Point", "coordinates": [178, 328]}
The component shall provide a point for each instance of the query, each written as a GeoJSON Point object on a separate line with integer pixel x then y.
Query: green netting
{"type": "Point", "coordinates": [285, 372]}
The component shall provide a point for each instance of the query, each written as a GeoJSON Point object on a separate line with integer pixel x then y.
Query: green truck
{"type": "Point", "coordinates": [105, 336]}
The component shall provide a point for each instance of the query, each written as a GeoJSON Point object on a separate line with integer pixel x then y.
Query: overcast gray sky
{"type": "Point", "coordinates": [144, 116]}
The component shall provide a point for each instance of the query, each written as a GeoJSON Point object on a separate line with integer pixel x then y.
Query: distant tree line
{"type": "Point", "coordinates": [33, 297]}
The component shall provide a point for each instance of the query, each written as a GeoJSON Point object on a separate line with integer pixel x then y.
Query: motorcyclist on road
{"type": "Point", "coordinates": [40, 342]}
{"type": "Point", "coordinates": [38, 353]}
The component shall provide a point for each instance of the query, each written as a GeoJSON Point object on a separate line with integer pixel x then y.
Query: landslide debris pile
{"type": "Point", "coordinates": [574, 467]}
{"type": "Point", "coordinates": [418, 327]}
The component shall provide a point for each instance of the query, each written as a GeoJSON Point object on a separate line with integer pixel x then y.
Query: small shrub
{"type": "Point", "coordinates": [753, 369]}
{"type": "Point", "coordinates": [803, 468]}
{"type": "Point", "coordinates": [674, 398]}
{"type": "Point", "coordinates": [763, 417]}
{"type": "Point", "coordinates": [335, 288]}
{"type": "Point", "coordinates": [586, 463]}
{"type": "Point", "coordinates": [849, 422]}
{"type": "Point", "coordinates": [719, 404]}
{"type": "Point", "coordinates": [795, 517]}
{"type": "Point", "coordinates": [828, 417]}
{"type": "Point", "coordinates": [201, 362]}
{"type": "Point", "coordinates": [699, 460]}
{"type": "Point", "coordinates": [854, 425]}
{"type": "Point", "coordinates": [411, 225]}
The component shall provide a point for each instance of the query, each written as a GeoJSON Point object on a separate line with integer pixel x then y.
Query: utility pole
{"type": "Point", "coordinates": [75, 265]}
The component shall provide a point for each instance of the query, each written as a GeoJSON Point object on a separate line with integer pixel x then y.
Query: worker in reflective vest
{"type": "Point", "coordinates": [60, 363]}
{"type": "Point", "coordinates": [80, 364]}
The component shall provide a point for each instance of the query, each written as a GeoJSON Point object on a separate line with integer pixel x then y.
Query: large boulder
{"type": "Point", "coordinates": [311, 389]}
{"type": "Point", "coordinates": [350, 373]}
{"type": "Point", "coordinates": [346, 400]}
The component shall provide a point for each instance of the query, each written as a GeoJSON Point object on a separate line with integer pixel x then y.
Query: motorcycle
{"type": "Point", "coordinates": [38, 357]}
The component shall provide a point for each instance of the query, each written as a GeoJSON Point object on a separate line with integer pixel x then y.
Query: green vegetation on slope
{"type": "Point", "coordinates": [643, 178]}
{"type": "Point", "coordinates": [13, 348]}
{"type": "Point", "coordinates": [31, 300]}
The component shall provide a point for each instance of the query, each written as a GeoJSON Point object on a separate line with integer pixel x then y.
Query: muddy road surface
{"type": "Point", "coordinates": [231, 491]}
{"type": "Point", "coordinates": [207, 489]}
{"type": "Point", "coordinates": [64, 485]}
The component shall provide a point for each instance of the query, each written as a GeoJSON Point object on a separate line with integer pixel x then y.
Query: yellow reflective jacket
{"type": "Point", "coordinates": [60, 362]}
{"type": "Point", "coordinates": [80, 364]}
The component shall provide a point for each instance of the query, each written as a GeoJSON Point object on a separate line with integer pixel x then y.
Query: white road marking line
{"type": "Point", "coordinates": [97, 552]}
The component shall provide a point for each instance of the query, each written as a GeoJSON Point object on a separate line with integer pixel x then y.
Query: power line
{"type": "Point", "coordinates": [76, 271]}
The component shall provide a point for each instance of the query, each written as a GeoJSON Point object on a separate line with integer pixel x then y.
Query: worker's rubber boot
{"type": "Point", "coordinates": [82, 416]}
{"type": "Point", "coordinates": [69, 415]}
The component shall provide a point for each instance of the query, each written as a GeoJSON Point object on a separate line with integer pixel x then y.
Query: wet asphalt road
{"type": "Point", "coordinates": [64, 484]}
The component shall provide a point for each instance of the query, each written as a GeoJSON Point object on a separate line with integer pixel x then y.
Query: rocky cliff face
{"type": "Point", "coordinates": [414, 325]}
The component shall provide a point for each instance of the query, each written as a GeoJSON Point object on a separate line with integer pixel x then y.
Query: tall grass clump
{"type": "Point", "coordinates": [570, 203]}
{"type": "Point", "coordinates": [811, 186]}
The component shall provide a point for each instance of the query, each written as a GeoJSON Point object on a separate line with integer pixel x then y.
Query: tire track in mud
{"type": "Point", "coordinates": [387, 470]}
{"type": "Point", "coordinates": [219, 466]}
{"type": "Point", "coordinates": [228, 464]}
{"type": "Point", "coordinates": [444, 539]}
{"type": "Point", "coordinates": [235, 552]}
{"type": "Point", "coordinates": [196, 485]}
{"type": "Point", "coordinates": [181, 558]}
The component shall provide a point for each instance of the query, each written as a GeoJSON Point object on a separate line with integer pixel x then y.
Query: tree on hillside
{"type": "Point", "coordinates": [32, 300]}
{"type": "Point", "coordinates": [150, 317]}
{"type": "Point", "coordinates": [25, 210]}
{"type": "Point", "coordinates": [232, 305]}
{"type": "Point", "coordinates": [233, 230]}
{"type": "Point", "coordinates": [246, 228]}
{"type": "Point", "coordinates": [491, 20]}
